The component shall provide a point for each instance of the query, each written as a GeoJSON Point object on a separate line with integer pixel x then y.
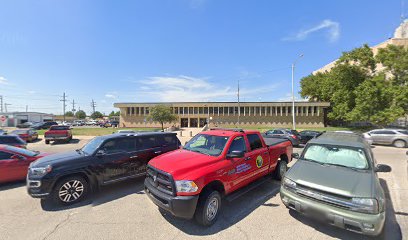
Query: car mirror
{"type": "Point", "coordinates": [100, 152]}
{"type": "Point", "coordinates": [382, 168]}
{"type": "Point", "coordinates": [295, 155]}
{"type": "Point", "coordinates": [236, 154]}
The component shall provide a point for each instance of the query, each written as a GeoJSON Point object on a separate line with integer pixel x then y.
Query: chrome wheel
{"type": "Point", "coordinates": [212, 209]}
{"type": "Point", "coordinates": [399, 144]}
{"type": "Point", "coordinates": [71, 191]}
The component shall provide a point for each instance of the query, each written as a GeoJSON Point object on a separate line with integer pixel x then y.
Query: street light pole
{"type": "Point", "coordinates": [293, 92]}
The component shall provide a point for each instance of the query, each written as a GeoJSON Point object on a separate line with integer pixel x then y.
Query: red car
{"type": "Point", "coordinates": [27, 135]}
{"type": "Point", "coordinates": [58, 133]}
{"type": "Point", "coordinates": [14, 162]}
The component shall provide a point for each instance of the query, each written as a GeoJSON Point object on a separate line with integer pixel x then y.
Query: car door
{"type": "Point", "coordinates": [240, 170]}
{"type": "Point", "coordinates": [388, 136]}
{"type": "Point", "coordinates": [146, 148]}
{"type": "Point", "coordinates": [6, 164]}
{"type": "Point", "coordinates": [115, 159]}
{"type": "Point", "coordinates": [13, 167]}
{"type": "Point", "coordinates": [376, 136]}
{"type": "Point", "coordinates": [258, 156]}
{"type": "Point", "coordinates": [278, 133]}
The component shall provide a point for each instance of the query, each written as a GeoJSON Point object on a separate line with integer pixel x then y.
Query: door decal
{"type": "Point", "coordinates": [259, 161]}
{"type": "Point", "coordinates": [243, 168]}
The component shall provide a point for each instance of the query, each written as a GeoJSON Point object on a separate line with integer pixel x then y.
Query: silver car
{"type": "Point", "coordinates": [396, 137]}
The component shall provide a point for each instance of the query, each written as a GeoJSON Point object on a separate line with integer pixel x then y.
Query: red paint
{"type": "Point", "coordinates": [15, 168]}
{"type": "Point", "coordinates": [204, 169]}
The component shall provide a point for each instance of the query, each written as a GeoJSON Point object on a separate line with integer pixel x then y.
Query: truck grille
{"type": "Point", "coordinates": [161, 180]}
{"type": "Point", "coordinates": [324, 197]}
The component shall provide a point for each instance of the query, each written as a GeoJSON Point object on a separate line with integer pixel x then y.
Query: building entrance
{"type": "Point", "coordinates": [193, 122]}
{"type": "Point", "coordinates": [184, 122]}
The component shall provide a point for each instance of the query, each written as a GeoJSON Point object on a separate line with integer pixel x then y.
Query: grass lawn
{"type": "Point", "coordinates": [100, 131]}
{"type": "Point", "coordinates": [264, 128]}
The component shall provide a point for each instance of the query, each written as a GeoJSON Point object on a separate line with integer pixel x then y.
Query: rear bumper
{"type": "Point", "coordinates": [179, 206]}
{"type": "Point", "coordinates": [367, 224]}
{"type": "Point", "coordinates": [56, 138]}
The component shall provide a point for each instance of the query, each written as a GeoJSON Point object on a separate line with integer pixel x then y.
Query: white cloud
{"type": "Point", "coordinates": [190, 89]}
{"type": "Point", "coordinates": [3, 80]}
{"type": "Point", "coordinates": [111, 95]}
{"type": "Point", "coordinates": [333, 31]}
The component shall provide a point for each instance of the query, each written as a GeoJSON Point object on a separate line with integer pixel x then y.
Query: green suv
{"type": "Point", "coordinates": [335, 180]}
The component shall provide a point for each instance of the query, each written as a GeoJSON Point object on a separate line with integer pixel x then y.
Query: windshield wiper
{"type": "Point", "coordinates": [339, 165]}
{"type": "Point", "coordinates": [311, 160]}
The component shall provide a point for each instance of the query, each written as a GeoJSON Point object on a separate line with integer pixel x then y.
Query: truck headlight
{"type": "Point", "coordinates": [365, 205]}
{"type": "Point", "coordinates": [289, 183]}
{"type": "Point", "coordinates": [40, 171]}
{"type": "Point", "coordinates": [186, 186]}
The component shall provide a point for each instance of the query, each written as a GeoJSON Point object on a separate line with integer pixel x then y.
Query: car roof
{"type": "Point", "coordinates": [120, 135]}
{"type": "Point", "coordinates": [340, 139]}
{"type": "Point", "coordinates": [227, 132]}
{"type": "Point", "coordinates": [9, 136]}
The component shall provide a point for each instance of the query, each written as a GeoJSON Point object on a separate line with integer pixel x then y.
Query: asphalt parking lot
{"type": "Point", "coordinates": [122, 211]}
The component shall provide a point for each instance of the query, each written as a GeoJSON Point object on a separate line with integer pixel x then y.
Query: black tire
{"type": "Point", "coordinates": [280, 170]}
{"type": "Point", "coordinates": [399, 144]}
{"type": "Point", "coordinates": [47, 141]}
{"type": "Point", "coordinates": [203, 215]}
{"type": "Point", "coordinates": [70, 190]}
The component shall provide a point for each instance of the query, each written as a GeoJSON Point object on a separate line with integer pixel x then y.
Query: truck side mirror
{"type": "Point", "coordinates": [382, 168]}
{"type": "Point", "coordinates": [236, 154]}
{"type": "Point", "coordinates": [100, 152]}
{"type": "Point", "coordinates": [295, 155]}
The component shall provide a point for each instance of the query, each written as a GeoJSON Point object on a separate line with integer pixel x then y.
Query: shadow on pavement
{"type": "Point", "coordinates": [104, 195]}
{"type": "Point", "coordinates": [11, 185]}
{"type": "Point", "coordinates": [231, 212]}
{"type": "Point", "coordinates": [391, 227]}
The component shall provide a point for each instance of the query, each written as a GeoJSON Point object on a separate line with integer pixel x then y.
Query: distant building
{"type": "Point", "coordinates": [400, 39]}
{"type": "Point", "coordinates": [196, 114]}
{"type": "Point", "coordinates": [14, 118]}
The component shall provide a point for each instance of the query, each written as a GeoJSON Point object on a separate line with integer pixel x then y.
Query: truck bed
{"type": "Point", "coordinates": [272, 141]}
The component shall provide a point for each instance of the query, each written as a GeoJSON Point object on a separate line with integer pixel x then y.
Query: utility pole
{"type": "Point", "coordinates": [73, 107]}
{"type": "Point", "coordinates": [26, 108]}
{"type": "Point", "coordinates": [5, 106]}
{"type": "Point", "coordinates": [64, 105]}
{"type": "Point", "coordinates": [293, 93]}
{"type": "Point", "coordinates": [1, 103]}
{"type": "Point", "coordinates": [239, 107]}
{"type": "Point", "coordinates": [93, 105]}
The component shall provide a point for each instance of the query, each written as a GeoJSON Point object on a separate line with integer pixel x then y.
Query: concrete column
{"type": "Point", "coordinates": [307, 111]}
{"type": "Point", "coordinates": [318, 111]}
{"type": "Point", "coordinates": [313, 111]}
{"type": "Point", "coordinates": [218, 111]}
{"type": "Point", "coordinates": [281, 111]}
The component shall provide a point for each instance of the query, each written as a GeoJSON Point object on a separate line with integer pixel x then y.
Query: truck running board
{"type": "Point", "coordinates": [233, 196]}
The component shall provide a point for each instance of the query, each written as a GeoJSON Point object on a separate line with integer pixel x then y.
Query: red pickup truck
{"type": "Point", "coordinates": [190, 182]}
{"type": "Point", "coordinates": [58, 133]}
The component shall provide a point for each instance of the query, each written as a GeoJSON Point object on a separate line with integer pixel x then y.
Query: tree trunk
{"type": "Point", "coordinates": [162, 127]}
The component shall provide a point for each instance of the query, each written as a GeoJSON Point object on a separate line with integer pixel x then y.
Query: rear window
{"type": "Point", "coordinates": [403, 132]}
{"type": "Point", "coordinates": [10, 140]}
{"type": "Point", "coordinates": [168, 140]}
{"type": "Point", "coordinates": [254, 141]}
{"type": "Point", "coordinates": [19, 132]}
{"type": "Point", "coordinates": [59, 128]}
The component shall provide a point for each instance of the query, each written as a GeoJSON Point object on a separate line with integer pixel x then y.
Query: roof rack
{"type": "Point", "coordinates": [228, 129]}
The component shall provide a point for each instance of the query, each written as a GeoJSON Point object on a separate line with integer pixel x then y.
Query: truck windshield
{"type": "Point", "coordinates": [91, 147]}
{"type": "Point", "coordinates": [207, 144]}
{"type": "Point", "coordinates": [354, 158]}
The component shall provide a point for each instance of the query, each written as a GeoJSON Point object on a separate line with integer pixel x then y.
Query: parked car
{"type": "Point", "coordinates": [78, 123]}
{"type": "Point", "coordinates": [67, 178]}
{"type": "Point", "coordinates": [13, 140]}
{"type": "Point", "coordinates": [92, 123]}
{"type": "Point", "coordinates": [396, 137]}
{"type": "Point", "coordinates": [25, 125]}
{"type": "Point", "coordinates": [14, 162]}
{"type": "Point", "coordinates": [58, 133]}
{"type": "Point", "coordinates": [110, 124]}
{"type": "Point", "coordinates": [43, 125]}
{"type": "Point", "coordinates": [292, 135]}
{"type": "Point", "coordinates": [27, 135]}
{"type": "Point", "coordinates": [335, 180]}
{"type": "Point", "coordinates": [307, 135]}
{"type": "Point", "coordinates": [191, 182]}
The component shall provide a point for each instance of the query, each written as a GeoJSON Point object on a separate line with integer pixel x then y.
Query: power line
{"type": "Point", "coordinates": [5, 106]}
{"type": "Point", "coordinates": [63, 100]}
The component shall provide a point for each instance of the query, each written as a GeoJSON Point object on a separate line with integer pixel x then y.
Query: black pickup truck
{"type": "Point", "coordinates": [67, 178]}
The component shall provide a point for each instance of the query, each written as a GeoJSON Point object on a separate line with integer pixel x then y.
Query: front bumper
{"type": "Point", "coordinates": [178, 206]}
{"type": "Point", "coordinates": [39, 188]}
{"type": "Point", "coordinates": [367, 224]}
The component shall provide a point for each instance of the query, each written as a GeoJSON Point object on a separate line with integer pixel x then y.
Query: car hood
{"type": "Point", "coordinates": [181, 163]}
{"type": "Point", "coordinates": [332, 179]}
{"type": "Point", "coordinates": [50, 159]}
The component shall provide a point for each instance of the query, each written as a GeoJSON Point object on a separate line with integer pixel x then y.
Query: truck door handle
{"type": "Point", "coordinates": [157, 152]}
{"type": "Point", "coordinates": [247, 158]}
{"type": "Point", "coordinates": [134, 156]}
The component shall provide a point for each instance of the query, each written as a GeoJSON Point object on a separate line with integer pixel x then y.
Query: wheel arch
{"type": "Point", "coordinates": [215, 185]}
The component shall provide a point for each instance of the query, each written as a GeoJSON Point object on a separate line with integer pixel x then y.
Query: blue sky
{"type": "Point", "coordinates": [174, 50]}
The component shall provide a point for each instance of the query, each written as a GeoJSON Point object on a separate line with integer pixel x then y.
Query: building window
{"type": "Point", "coordinates": [299, 110]}
{"type": "Point", "coordinates": [225, 110]}
{"type": "Point", "coordinates": [128, 110]}
{"type": "Point", "coordinates": [196, 110]}
{"type": "Point", "coordinates": [205, 110]}
{"type": "Point", "coordinates": [241, 110]}
{"type": "Point", "coordinates": [142, 111]}
{"type": "Point", "coordinates": [268, 111]}
{"type": "Point", "coordinates": [236, 110]}
{"type": "Point", "coordinates": [221, 110]}
{"type": "Point", "coordinates": [176, 110]}
{"type": "Point", "coordinates": [278, 110]}
{"type": "Point", "coordinates": [211, 110]}
{"type": "Point", "coordinates": [315, 110]}
{"type": "Point", "coordinates": [200, 110]}
{"type": "Point", "coordinates": [283, 110]}
{"type": "Point", "coordinates": [309, 110]}
{"type": "Point", "coordinates": [263, 110]}
{"type": "Point", "coordinates": [190, 110]}
{"type": "Point", "coordinates": [290, 110]}
{"type": "Point", "coordinates": [147, 110]}
{"type": "Point", "coordinates": [215, 110]}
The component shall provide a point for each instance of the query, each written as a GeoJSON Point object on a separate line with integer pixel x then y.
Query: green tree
{"type": "Point", "coordinates": [80, 114]}
{"type": "Point", "coordinates": [96, 115]}
{"type": "Point", "coordinates": [113, 114]}
{"type": "Point", "coordinates": [359, 90]}
{"type": "Point", "coordinates": [162, 114]}
{"type": "Point", "coordinates": [69, 114]}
